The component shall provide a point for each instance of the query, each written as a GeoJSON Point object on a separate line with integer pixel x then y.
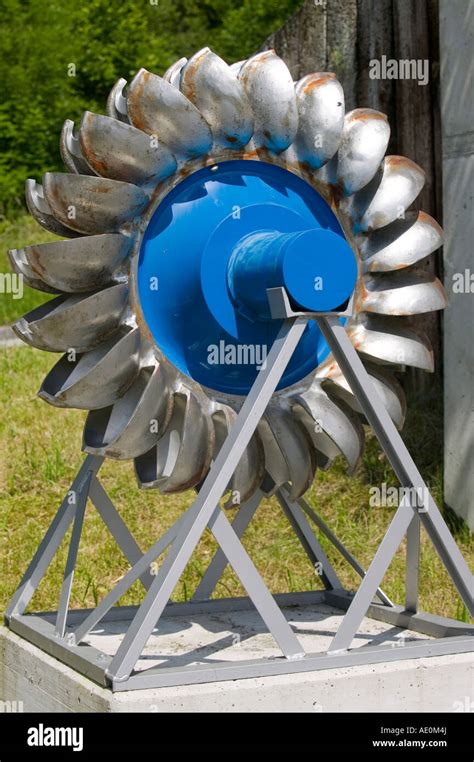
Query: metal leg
{"type": "Point", "coordinates": [340, 547]}
{"type": "Point", "coordinates": [209, 495]}
{"type": "Point", "coordinates": [118, 528]}
{"type": "Point", "coordinates": [66, 587]}
{"type": "Point", "coordinates": [255, 586]}
{"type": "Point", "coordinates": [398, 455]}
{"type": "Point", "coordinates": [363, 598]}
{"type": "Point", "coordinates": [412, 572]}
{"type": "Point", "coordinates": [136, 572]}
{"type": "Point", "coordinates": [51, 542]}
{"type": "Point", "coordinates": [219, 561]}
{"type": "Point", "coordinates": [308, 540]}
{"type": "Point", "coordinates": [450, 554]}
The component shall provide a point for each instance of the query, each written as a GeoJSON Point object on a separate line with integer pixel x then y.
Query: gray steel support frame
{"type": "Point", "coordinates": [61, 634]}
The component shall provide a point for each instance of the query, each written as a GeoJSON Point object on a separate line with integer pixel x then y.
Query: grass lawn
{"type": "Point", "coordinates": [40, 452]}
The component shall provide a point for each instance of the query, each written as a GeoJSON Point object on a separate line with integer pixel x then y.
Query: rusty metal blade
{"type": "Point", "coordinates": [251, 468]}
{"type": "Point", "coordinates": [40, 210]}
{"type": "Point", "coordinates": [71, 152]}
{"type": "Point", "coordinates": [401, 244]}
{"type": "Point", "coordinates": [21, 265]}
{"type": "Point", "coordinates": [173, 72]}
{"type": "Point", "coordinates": [95, 379]}
{"type": "Point", "coordinates": [133, 424]}
{"type": "Point", "coordinates": [295, 448]}
{"type": "Point", "coordinates": [92, 204]}
{"type": "Point", "coordinates": [386, 198]}
{"type": "Point", "coordinates": [364, 140]}
{"type": "Point", "coordinates": [181, 458]}
{"type": "Point", "coordinates": [117, 102]}
{"type": "Point", "coordinates": [404, 292]}
{"type": "Point", "coordinates": [335, 421]}
{"type": "Point", "coordinates": [210, 84]}
{"type": "Point", "coordinates": [320, 100]}
{"type": "Point", "coordinates": [388, 340]}
{"type": "Point", "coordinates": [74, 322]}
{"type": "Point", "coordinates": [385, 383]}
{"type": "Point", "coordinates": [120, 151]}
{"type": "Point", "coordinates": [76, 265]}
{"type": "Point", "coordinates": [158, 108]}
{"type": "Point", "coordinates": [270, 90]}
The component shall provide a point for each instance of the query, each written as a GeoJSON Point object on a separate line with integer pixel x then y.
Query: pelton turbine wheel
{"type": "Point", "coordinates": [198, 191]}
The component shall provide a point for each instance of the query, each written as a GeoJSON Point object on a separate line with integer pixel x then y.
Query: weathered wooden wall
{"type": "Point", "coordinates": [343, 36]}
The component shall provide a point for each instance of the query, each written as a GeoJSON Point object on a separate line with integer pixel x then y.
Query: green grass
{"type": "Point", "coordinates": [40, 452]}
{"type": "Point", "coordinates": [15, 235]}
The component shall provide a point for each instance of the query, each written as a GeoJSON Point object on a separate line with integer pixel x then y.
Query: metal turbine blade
{"type": "Point", "coordinates": [92, 204]}
{"type": "Point", "coordinates": [158, 108]}
{"type": "Point", "coordinates": [320, 101]}
{"type": "Point", "coordinates": [77, 265]}
{"type": "Point", "coordinates": [119, 151]}
{"type": "Point", "coordinates": [220, 97]}
{"type": "Point", "coordinates": [95, 379]}
{"type": "Point", "coordinates": [270, 90]}
{"type": "Point", "coordinates": [135, 422]}
{"type": "Point", "coordinates": [75, 322]}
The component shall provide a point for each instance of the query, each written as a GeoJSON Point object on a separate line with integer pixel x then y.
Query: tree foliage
{"type": "Point", "coordinates": [60, 57]}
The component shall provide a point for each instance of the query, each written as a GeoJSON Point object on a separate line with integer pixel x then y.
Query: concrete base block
{"type": "Point", "coordinates": [439, 684]}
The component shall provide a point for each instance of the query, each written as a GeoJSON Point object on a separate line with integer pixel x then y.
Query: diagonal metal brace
{"type": "Point", "coordinates": [398, 455]}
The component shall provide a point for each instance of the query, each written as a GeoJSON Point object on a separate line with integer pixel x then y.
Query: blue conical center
{"type": "Point", "coordinates": [214, 245]}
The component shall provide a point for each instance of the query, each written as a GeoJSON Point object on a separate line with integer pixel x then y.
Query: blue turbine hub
{"type": "Point", "coordinates": [214, 245]}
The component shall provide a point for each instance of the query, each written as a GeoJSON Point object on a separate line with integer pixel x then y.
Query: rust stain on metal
{"type": "Point", "coordinates": [141, 323]}
{"type": "Point", "coordinates": [360, 298]}
{"type": "Point", "coordinates": [356, 338]}
{"type": "Point", "coordinates": [102, 188]}
{"type": "Point", "coordinates": [337, 191]}
{"type": "Point", "coordinates": [402, 162]}
{"type": "Point", "coordinates": [441, 289]}
{"type": "Point", "coordinates": [317, 80]}
{"type": "Point", "coordinates": [428, 220]}
{"type": "Point", "coordinates": [366, 115]}
{"type": "Point", "coordinates": [303, 166]}
{"type": "Point", "coordinates": [188, 82]}
{"type": "Point", "coordinates": [101, 166]}
{"type": "Point", "coordinates": [255, 62]}
{"type": "Point", "coordinates": [331, 370]}
{"type": "Point", "coordinates": [135, 96]}
{"type": "Point", "coordinates": [35, 263]}
{"type": "Point", "coordinates": [249, 155]}
{"type": "Point", "coordinates": [395, 267]}
{"type": "Point", "coordinates": [96, 161]}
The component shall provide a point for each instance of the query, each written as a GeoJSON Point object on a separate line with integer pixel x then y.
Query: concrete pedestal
{"type": "Point", "coordinates": [442, 683]}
